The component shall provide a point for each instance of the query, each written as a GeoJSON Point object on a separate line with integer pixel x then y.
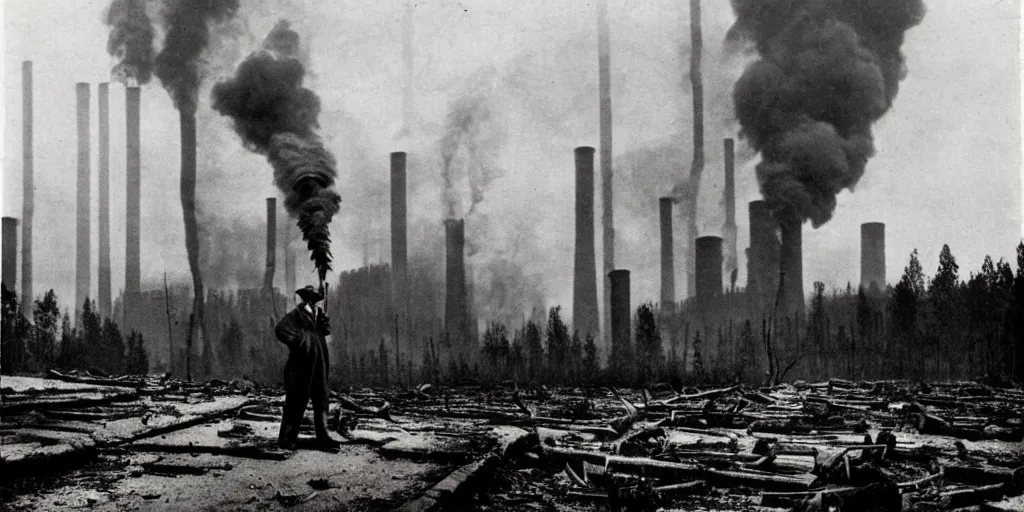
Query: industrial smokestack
{"type": "Point", "coordinates": [668, 269]}
{"type": "Point", "coordinates": [455, 310]}
{"type": "Point", "coordinates": [762, 259]}
{"type": "Point", "coordinates": [729, 228]}
{"type": "Point", "coordinates": [697, 165]}
{"type": "Point", "coordinates": [621, 315]}
{"type": "Point", "coordinates": [103, 295]}
{"type": "Point", "coordinates": [289, 263]}
{"type": "Point", "coordinates": [133, 181]}
{"type": "Point", "coordinates": [82, 240]}
{"type": "Point", "coordinates": [584, 293]}
{"type": "Point", "coordinates": [268, 274]}
{"type": "Point", "coordinates": [872, 257]}
{"type": "Point", "coordinates": [28, 186]}
{"type": "Point", "coordinates": [708, 260]}
{"type": "Point", "coordinates": [605, 107]}
{"type": "Point", "coordinates": [399, 229]}
{"type": "Point", "coordinates": [792, 265]}
{"type": "Point", "coordinates": [10, 252]}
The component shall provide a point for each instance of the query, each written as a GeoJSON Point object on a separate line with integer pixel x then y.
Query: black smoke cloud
{"type": "Point", "coordinates": [276, 116]}
{"type": "Point", "coordinates": [179, 65]}
{"type": "Point", "coordinates": [828, 69]}
{"type": "Point", "coordinates": [130, 41]}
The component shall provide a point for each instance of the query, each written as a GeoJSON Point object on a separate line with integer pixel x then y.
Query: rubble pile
{"type": "Point", "coordinates": [835, 445]}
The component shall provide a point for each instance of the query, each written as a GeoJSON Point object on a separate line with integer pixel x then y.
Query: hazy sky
{"type": "Point", "coordinates": [947, 168]}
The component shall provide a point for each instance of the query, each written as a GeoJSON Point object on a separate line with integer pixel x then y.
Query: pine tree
{"type": "Point", "coordinates": [46, 316]}
{"type": "Point", "coordinates": [558, 346]}
{"type": "Point", "coordinates": [231, 349]}
{"type": "Point", "coordinates": [14, 334]}
{"type": "Point", "coordinates": [591, 366]}
{"type": "Point", "coordinates": [648, 345]}
{"type": "Point", "coordinates": [534, 352]}
{"type": "Point", "coordinates": [91, 339]}
{"type": "Point", "coordinates": [1016, 315]}
{"type": "Point", "coordinates": [109, 356]}
{"type": "Point", "coordinates": [426, 366]}
{"type": "Point", "coordinates": [576, 359]}
{"type": "Point", "coordinates": [699, 372]}
{"type": "Point", "coordinates": [748, 354]}
{"type": "Point", "coordinates": [382, 363]}
{"type": "Point", "coordinates": [138, 359]}
{"type": "Point", "coordinates": [69, 349]}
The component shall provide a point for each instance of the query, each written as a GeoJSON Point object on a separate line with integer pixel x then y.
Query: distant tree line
{"type": "Point", "coordinates": [941, 327]}
{"type": "Point", "coordinates": [52, 340]}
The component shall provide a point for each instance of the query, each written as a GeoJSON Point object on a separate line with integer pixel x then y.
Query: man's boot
{"type": "Point", "coordinates": [323, 436]}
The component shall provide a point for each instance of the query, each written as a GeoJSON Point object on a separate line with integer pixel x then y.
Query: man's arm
{"type": "Point", "coordinates": [323, 323]}
{"type": "Point", "coordinates": [288, 330]}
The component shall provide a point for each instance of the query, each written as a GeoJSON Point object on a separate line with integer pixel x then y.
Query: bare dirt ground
{"type": "Point", "coordinates": [149, 444]}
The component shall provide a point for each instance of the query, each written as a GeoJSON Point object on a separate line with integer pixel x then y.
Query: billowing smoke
{"type": "Point", "coordinates": [505, 291]}
{"type": "Point", "coordinates": [276, 116]}
{"type": "Point", "coordinates": [130, 41]}
{"type": "Point", "coordinates": [828, 69]}
{"type": "Point", "coordinates": [471, 145]}
{"type": "Point", "coordinates": [223, 263]}
{"type": "Point", "coordinates": [179, 65]}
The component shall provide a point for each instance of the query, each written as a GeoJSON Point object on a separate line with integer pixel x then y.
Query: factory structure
{"type": "Point", "coordinates": [396, 316]}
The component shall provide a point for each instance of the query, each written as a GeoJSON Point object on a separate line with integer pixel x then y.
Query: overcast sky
{"type": "Point", "coordinates": [947, 168]}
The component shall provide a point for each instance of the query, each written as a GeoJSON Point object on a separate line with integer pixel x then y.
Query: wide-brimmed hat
{"type": "Point", "coordinates": [309, 294]}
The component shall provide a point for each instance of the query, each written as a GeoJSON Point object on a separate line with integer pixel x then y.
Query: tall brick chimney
{"type": "Point", "coordinates": [268, 273]}
{"type": "Point", "coordinates": [730, 251]}
{"type": "Point", "coordinates": [133, 180]}
{"type": "Point", "coordinates": [455, 310]}
{"type": "Point", "coordinates": [668, 269]}
{"type": "Point", "coordinates": [103, 300]}
{"type": "Point", "coordinates": [28, 186]}
{"type": "Point", "coordinates": [83, 244]}
{"type": "Point", "coordinates": [792, 265]}
{"type": "Point", "coordinates": [708, 261]}
{"type": "Point", "coordinates": [605, 111]}
{"type": "Point", "coordinates": [622, 316]}
{"type": "Point", "coordinates": [399, 232]}
{"type": "Point", "coordinates": [762, 259]}
{"type": "Point", "coordinates": [10, 253]}
{"type": "Point", "coordinates": [872, 257]}
{"type": "Point", "coordinates": [585, 315]}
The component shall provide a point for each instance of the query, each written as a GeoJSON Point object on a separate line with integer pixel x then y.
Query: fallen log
{"type": "Point", "coordinates": [245, 451]}
{"type": "Point", "coordinates": [680, 471]}
{"type": "Point", "coordinates": [785, 499]}
{"type": "Point", "coordinates": [91, 416]}
{"type": "Point", "coordinates": [49, 403]}
{"type": "Point", "coordinates": [916, 484]}
{"type": "Point", "coordinates": [679, 490]}
{"type": "Point", "coordinates": [1011, 478]}
{"type": "Point", "coordinates": [123, 381]}
{"type": "Point", "coordinates": [703, 395]}
{"type": "Point", "coordinates": [973, 496]}
{"type": "Point", "coordinates": [162, 468]}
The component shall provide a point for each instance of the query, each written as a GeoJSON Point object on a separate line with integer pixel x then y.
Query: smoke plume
{"type": "Point", "coordinates": [179, 65]}
{"type": "Point", "coordinates": [472, 140]}
{"type": "Point", "coordinates": [828, 69]}
{"type": "Point", "coordinates": [276, 116]}
{"type": "Point", "coordinates": [130, 41]}
{"type": "Point", "coordinates": [224, 264]}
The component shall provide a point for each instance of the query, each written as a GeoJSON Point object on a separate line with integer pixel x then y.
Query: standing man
{"type": "Point", "coordinates": [304, 331]}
